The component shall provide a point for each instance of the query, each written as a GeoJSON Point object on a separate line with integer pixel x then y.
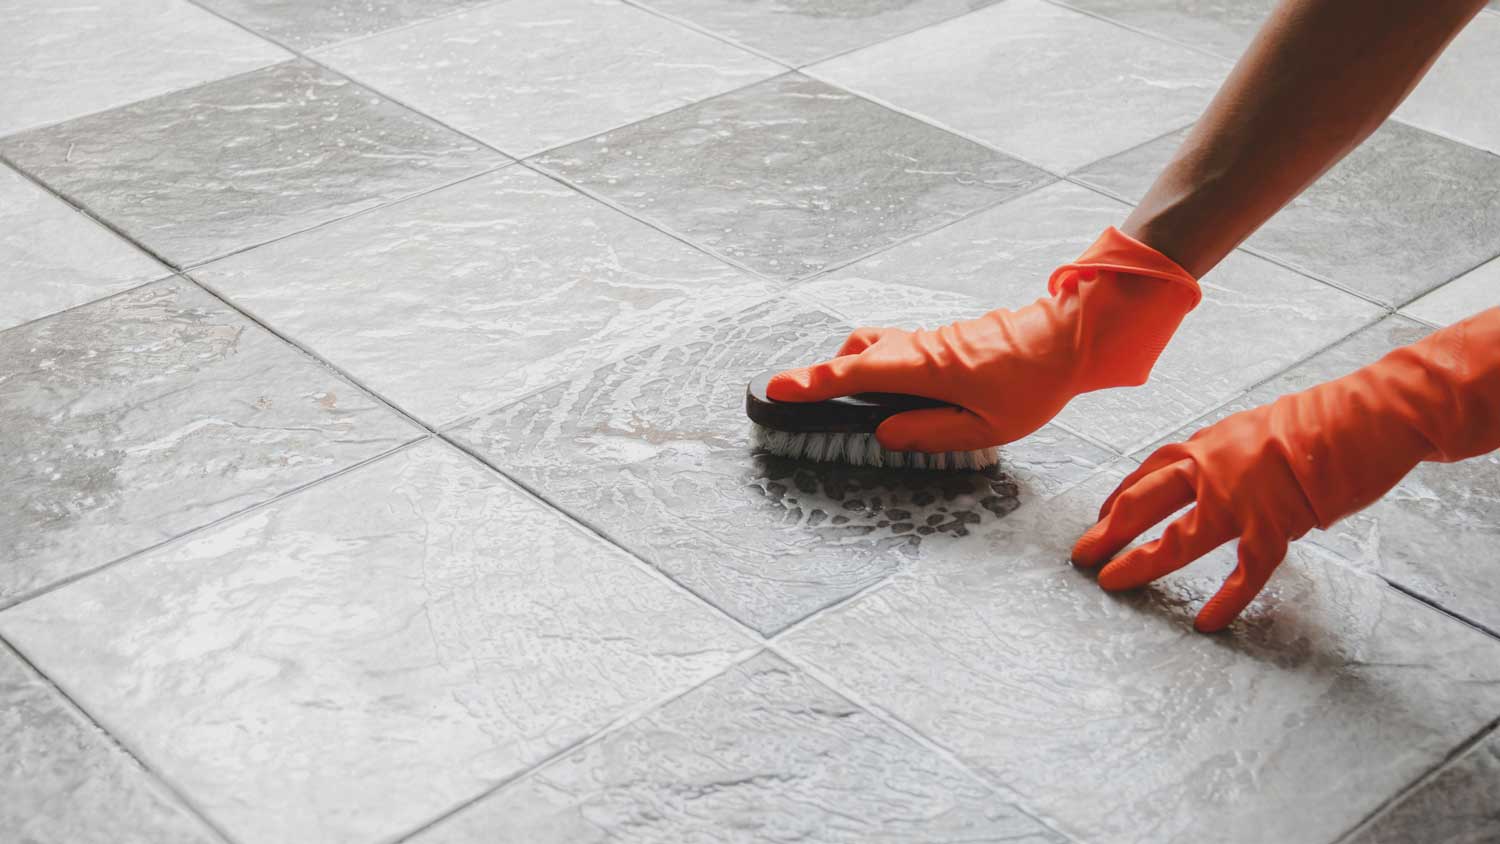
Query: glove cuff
{"type": "Point", "coordinates": [1116, 251]}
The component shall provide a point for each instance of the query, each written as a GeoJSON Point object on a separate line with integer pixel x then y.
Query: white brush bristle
{"type": "Point", "coordinates": [864, 450]}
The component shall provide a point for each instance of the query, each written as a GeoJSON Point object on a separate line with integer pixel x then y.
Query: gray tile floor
{"type": "Point", "coordinates": [374, 466]}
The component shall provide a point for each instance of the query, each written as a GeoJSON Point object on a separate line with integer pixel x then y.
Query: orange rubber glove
{"type": "Point", "coordinates": [1270, 474]}
{"type": "Point", "coordinates": [1110, 314]}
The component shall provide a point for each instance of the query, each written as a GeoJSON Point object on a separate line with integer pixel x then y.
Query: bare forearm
{"type": "Point", "coordinates": [1319, 78]}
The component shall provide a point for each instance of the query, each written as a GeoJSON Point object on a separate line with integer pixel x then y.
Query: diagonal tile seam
{"type": "Point", "coordinates": [1438, 607]}
{"type": "Point", "coordinates": [1453, 757]}
{"type": "Point", "coordinates": [178, 795]}
{"type": "Point", "coordinates": [644, 6]}
{"type": "Point", "coordinates": [1157, 36]}
{"type": "Point", "coordinates": [620, 724]}
{"type": "Point", "coordinates": [118, 293]}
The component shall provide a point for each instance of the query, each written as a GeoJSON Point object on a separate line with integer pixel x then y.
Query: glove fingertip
{"type": "Point", "coordinates": [1086, 551]}
{"type": "Point", "coordinates": [791, 385]}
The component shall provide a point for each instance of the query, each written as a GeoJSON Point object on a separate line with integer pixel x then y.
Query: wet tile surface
{"type": "Point", "coordinates": [52, 257]}
{"type": "Point", "coordinates": [66, 60]}
{"type": "Point", "coordinates": [1468, 73]}
{"type": "Point", "coordinates": [63, 779]}
{"type": "Point", "coordinates": [1221, 27]}
{"type": "Point", "coordinates": [653, 452]}
{"type": "Point", "coordinates": [528, 75]}
{"type": "Point", "coordinates": [132, 420]}
{"type": "Point", "coordinates": [762, 753]}
{"type": "Point", "coordinates": [791, 175]}
{"type": "Point", "coordinates": [252, 158]}
{"type": "Point", "coordinates": [1461, 805]}
{"type": "Point", "coordinates": [1402, 214]}
{"type": "Point", "coordinates": [1436, 532]}
{"type": "Point", "coordinates": [1003, 256]}
{"type": "Point", "coordinates": [372, 652]}
{"type": "Point", "coordinates": [803, 31]}
{"type": "Point", "coordinates": [1470, 293]}
{"type": "Point", "coordinates": [1327, 698]}
{"type": "Point", "coordinates": [1058, 111]}
{"type": "Point", "coordinates": [303, 26]}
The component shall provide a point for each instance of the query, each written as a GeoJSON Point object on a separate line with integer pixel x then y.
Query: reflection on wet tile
{"type": "Point", "coordinates": [369, 653]}
{"type": "Point", "coordinates": [1461, 805]}
{"type": "Point", "coordinates": [761, 753]}
{"type": "Point", "coordinates": [1255, 320]}
{"type": "Point", "coordinates": [199, 173]}
{"type": "Point", "coordinates": [52, 257]}
{"type": "Point", "coordinates": [1328, 697]}
{"type": "Point", "coordinates": [791, 175]}
{"type": "Point", "coordinates": [303, 25]}
{"type": "Point", "coordinates": [132, 420]}
{"type": "Point", "coordinates": [653, 451]}
{"type": "Point", "coordinates": [1466, 74]}
{"type": "Point", "coordinates": [1437, 531]}
{"type": "Point", "coordinates": [528, 75]}
{"type": "Point", "coordinates": [1465, 296]}
{"type": "Point", "coordinates": [530, 279]}
{"type": "Point", "coordinates": [64, 60]}
{"type": "Point", "coordinates": [1222, 27]}
{"type": "Point", "coordinates": [1405, 212]}
{"type": "Point", "coordinates": [62, 779]}
{"type": "Point", "coordinates": [1049, 105]}
{"type": "Point", "coordinates": [802, 31]}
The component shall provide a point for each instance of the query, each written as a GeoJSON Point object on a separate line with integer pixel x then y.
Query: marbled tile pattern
{"type": "Point", "coordinates": [791, 175]}
{"type": "Point", "coordinates": [371, 653]}
{"type": "Point", "coordinates": [134, 419]}
{"type": "Point", "coordinates": [302, 25]}
{"type": "Point", "coordinates": [1402, 214]}
{"type": "Point", "coordinates": [63, 779]}
{"type": "Point", "coordinates": [65, 60]}
{"type": "Point", "coordinates": [52, 257]}
{"type": "Point", "coordinates": [1460, 805]}
{"type": "Point", "coordinates": [653, 452]}
{"type": "Point", "coordinates": [761, 753]}
{"type": "Point", "coordinates": [1222, 27]}
{"type": "Point", "coordinates": [1436, 532]}
{"type": "Point", "coordinates": [1330, 695]}
{"type": "Point", "coordinates": [253, 158]}
{"type": "Point", "coordinates": [803, 31]}
{"type": "Point", "coordinates": [527, 277]}
{"type": "Point", "coordinates": [1059, 109]}
{"type": "Point", "coordinates": [528, 75]}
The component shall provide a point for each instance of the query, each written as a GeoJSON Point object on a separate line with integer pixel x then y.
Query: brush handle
{"type": "Point", "coordinates": [857, 414]}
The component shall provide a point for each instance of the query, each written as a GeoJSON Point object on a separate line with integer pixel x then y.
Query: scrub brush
{"type": "Point", "coordinates": [843, 429]}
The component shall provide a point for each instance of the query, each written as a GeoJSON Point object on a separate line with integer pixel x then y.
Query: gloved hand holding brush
{"type": "Point", "coordinates": [1110, 314]}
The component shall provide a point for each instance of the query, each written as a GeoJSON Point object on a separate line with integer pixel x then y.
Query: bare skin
{"type": "Point", "coordinates": [1320, 76]}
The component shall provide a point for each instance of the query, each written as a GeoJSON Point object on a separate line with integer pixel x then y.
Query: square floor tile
{"type": "Point", "coordinates": [371, 652]}
{"type": "Point", "coordinates": [1403, 213]}
{"type": "Point", "coordinates": [1003, 256]}
{"type": "Point", "coordinates": [52, 257]}
{"type": "Point", "coordinates": [1222, 27]}
{"type": "Point", "coordinates": [1048, 84]}
{"type": "Point", "coordinates": [1467, 74]}
{"type": "Point", "coordinates": [1437, 531]}
{"type": "Point", "coordinates": [803, 31]}
{"type": "Point", "coordinates": [200, 173]}
{"type": "Point", "coordinates": [302, 25]}
{"type": "Point", "coordinates": [65, 60]}
{"type": "Point", "coordinates": [761, 753]}
{"type": "Point", "coordinates": [529, 75]}
{"type": "Point", "coordinates": [653, 451]}
{"type": "Point", "coordinates": [792, 175]}
{"type": "Point", "coordinates": [1461, 805]}
{"type": "Point", "coordinates": [481, 292]}
{"type": "Point", "coordinates": [1121, 724]}
{"type": "Point", "coordinates": [134, 419]}
{"type": "Point", "coordinates": [1460, 298]}
{"type": "Point", "coordinates": [63, 779]}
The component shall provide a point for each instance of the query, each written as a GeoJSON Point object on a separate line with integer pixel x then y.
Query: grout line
{"type": "Point", "coordinates": [1155, 36]}
{"type": "Point", "coordinates": [1429, 602]}
{"type": "Point", "coordinates": [1463, 749]}
{"type": "Point", "coordinates": [619, 725]}
{"type": "Point", "coordinates": [178, 794]}
{"type": "Point", "coordinates": [355, 39]}
{"type": "Point", "coordinates": [56, 585]}
{"type": "Point", "coordinates": [105, 298]}
{"type": "Point", "coordinates": [703, 30]}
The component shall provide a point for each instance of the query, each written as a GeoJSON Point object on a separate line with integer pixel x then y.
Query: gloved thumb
{"type": "Point", "coordinates": [842, 376]}
{"type": "Point", "coordinates": [935, 429]}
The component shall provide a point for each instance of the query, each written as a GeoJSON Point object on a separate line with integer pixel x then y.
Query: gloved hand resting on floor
{"type": "Point", "coordinates": [1110, 314]}
{"type": "Point", "coordinates": [1270, 474]}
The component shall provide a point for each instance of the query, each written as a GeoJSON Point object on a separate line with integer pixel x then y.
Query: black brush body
{"type": "Point", "coordinates": [857, 414]}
